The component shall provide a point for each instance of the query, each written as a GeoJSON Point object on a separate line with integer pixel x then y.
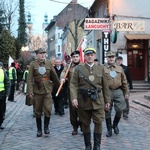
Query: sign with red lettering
{"type": "Point", "coordinates": [96, 24]}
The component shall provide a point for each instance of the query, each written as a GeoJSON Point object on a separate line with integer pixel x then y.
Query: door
{"type": "Point", "coordinates": [136, 64]}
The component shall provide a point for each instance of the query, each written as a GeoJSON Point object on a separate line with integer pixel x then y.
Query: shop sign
{"type": "Point", "coordinates": [129, 25]}
{"type": "Point", "coordinates": [96, 24]}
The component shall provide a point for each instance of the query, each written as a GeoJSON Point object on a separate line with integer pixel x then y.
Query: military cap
{"type": "Point", "coordinates": [119, 57]}
{"type": "Point", "coordinates": [67, 57]}
{"type": "Point", "coordinates": [110, 53]}
{"type": "Point", "coordinates": [40, 50]}
{"type": "Point", "coordinates": [75, 52]}
{"type": "Point", "coordinates": [89, 50]}
{"type": "Point", "coordinates": [1, 64]}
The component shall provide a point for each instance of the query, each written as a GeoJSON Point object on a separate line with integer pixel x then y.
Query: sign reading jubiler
{"type": "Point", "coordinates": [96, 24]}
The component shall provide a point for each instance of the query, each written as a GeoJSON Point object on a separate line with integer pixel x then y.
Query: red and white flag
{"type": "Point", "coordinates": [11, 60]}
{"type": "Point", "coordinates": [82, 45]}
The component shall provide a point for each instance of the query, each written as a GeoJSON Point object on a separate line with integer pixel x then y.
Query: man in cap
{"type": "Point", "coordinates": [39, 87]}
{"type": "Point", "coordinates": [119, 61]}
{"type": "Point", "coordinates": [90, 95]}
{"type": "Point", "coordinates": [4, 92]}
{"type": "Point", "coordinates": [74, 119]}
{"type": "Point", "coordinates": [13, 79]}
{"type": "Point", "coordinates": [119, 91]}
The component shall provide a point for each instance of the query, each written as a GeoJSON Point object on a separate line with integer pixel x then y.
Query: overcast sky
{"type": "Point", "coordinates": [38, 8]}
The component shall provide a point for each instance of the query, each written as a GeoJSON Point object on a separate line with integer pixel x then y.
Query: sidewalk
{"type": "Point", "coordinates": [20, 129]}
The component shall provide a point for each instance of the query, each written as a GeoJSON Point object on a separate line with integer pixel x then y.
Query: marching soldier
{"type": "Point", "coordinates": [89, 93]}
{"type": "Point", "coordinates": [39, 87]}
{"type": "Point", "coordinates": [118, 90]}
{"type": "Point", "coordinates": [74, 119]}
{"type": "Point", "coordinates": [119, 61]}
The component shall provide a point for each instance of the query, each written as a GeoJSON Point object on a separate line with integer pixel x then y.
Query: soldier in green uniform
{"type": "Point", "coordinates": [90, 95]}
{"type": "Point", "coordinates": [119, 91]}
{"type": "Point", "coordinates": [74, 119]}
{"type": "Point", "coordinates": [39, 86]}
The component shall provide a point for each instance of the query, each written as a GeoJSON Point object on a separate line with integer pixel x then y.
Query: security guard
{"type": "Point", "coordinates": [74, 119]}
{"type": "Point", "coordinates": [89, 93]}
{"type": "Point", "coordinates": [4, 91]}
{"type": "Point", "coordinates": [39, 86]}
{"type": "Point", "coordinates": [13, 79]}
{"type": "Point", "coordinates": [118, 90]}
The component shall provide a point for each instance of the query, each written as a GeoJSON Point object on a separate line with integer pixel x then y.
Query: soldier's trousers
{"type": "Point", "coordinates": [74, 119]}
{"type": "Point", "coordinates": [126, 110]}
{"type": "Point", "coordinates": [118, 101]}
{"type": "Point", "coordinates": [43, 103]}
{"type": "Point", "coordinates": [96, 115]}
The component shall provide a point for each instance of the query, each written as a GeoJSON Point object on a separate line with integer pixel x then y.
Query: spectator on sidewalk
{"type": "Point", "coordinates": [4, 92]}
{"type": "Point", "coordinates": [90, 95]}
{"type": "Point", "coordinates": [58, 100]}
{"type": "Point", "coordinates": [119, 91]}
{"type": "Point", "coordinates": [19, 76]}
{"type": "Point", "coordinates": [39, 88]}
{"type": "Point", "coordinates": [13, 79]}
{"type": "Point", "coordinates": [119, 61]}
{"type": "Point", "coordinates": [74, 118]}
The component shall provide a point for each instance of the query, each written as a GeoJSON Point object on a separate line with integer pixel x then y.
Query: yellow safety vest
{"type": "Point", "coordinates": [2, 87]}
{"type": "Point", "coordinates": [10, 73]}
{"type": "Point", "coordinates": [25, 74]}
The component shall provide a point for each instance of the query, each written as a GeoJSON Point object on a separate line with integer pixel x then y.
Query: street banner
{"type": "Point", "coordinates": [96, 24]}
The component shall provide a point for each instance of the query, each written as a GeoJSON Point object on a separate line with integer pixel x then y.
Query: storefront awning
{"type": "Point", "coordinates": [137, 36]}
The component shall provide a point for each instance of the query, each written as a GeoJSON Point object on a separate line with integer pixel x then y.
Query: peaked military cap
{"type": "Point", "coordinates": [110, 53]}
{"type": "Point", "coordinates": [89, 50]}
{"type": "Point", "coordinates": [67, 57]}
{"type": "Point", "coordinates": [75, 52]}
{"type": "Point", "coordinates": [119, 57]}
{"type": "Point", "coordinates": [40, 50]}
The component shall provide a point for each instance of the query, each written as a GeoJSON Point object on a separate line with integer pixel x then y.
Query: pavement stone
{"type": "Point", "coordinates": [20, 129]}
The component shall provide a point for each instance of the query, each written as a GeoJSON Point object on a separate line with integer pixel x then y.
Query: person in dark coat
{"type": "Point", "coordinates": [58, 100]}
{"type": "Point", "coordinates": [4, 92]}
{"type": "Point", "coordinates": [119, 61]}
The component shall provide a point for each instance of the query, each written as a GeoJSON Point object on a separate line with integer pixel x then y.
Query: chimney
{"type": "Point", "coordinates": [74, 1]}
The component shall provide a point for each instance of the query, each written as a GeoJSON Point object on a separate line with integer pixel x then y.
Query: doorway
{"type": "Point", "coordinates": [136, 64]}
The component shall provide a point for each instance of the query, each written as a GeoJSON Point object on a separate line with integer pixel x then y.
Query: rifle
{"type": "Point", "coordinates": [60, 87]}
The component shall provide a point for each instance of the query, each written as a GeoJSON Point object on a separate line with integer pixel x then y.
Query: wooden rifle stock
{"type": "Point", "coordinates": [60, 87]}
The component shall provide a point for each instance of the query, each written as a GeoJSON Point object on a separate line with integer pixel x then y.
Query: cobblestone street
{"type": "Point", "coordinates": [20, 130]}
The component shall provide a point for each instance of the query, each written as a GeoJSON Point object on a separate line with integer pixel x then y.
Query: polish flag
{"type": "Point", "coordinates": [11, 60]}
{"type": "Point", "coordinates": [82, 45]}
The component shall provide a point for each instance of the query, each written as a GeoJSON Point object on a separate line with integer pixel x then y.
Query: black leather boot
{"type": "Point", "coordinates": [46, 124]}
{"type": "Point", "coordinates": [39, 127]}
{"type": "Point", "coordinates": [87, 141]}
{"type": "Point", "coordinates": [115, 124]}
{"type": "Point", "coordinates": [97, 141]}
{"type": "Point", "coordinates": [109, 127]}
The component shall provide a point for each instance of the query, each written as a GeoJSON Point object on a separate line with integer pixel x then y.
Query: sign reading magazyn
{"type": "Point", "coordinates": [129, 25]}
{"type": "Point", "coordinates": [96, 24]}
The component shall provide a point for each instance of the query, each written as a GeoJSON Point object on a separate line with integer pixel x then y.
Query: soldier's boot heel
{"type": "Point", "coordinates": [46, 124]}
{"type": "Point", "coordinates": [39, 133]}
{"type": "Point", "coordinates": [97, 141]}
{"type": "Point", "coordinates": [39, 127]}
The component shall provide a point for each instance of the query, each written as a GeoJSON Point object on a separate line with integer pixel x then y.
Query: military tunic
{"type": "Point", "coordinates": [86, 106]}
{"type": "Point", "coordinates": [118, 87]}
{"type": "Point", "coordinates": [41, 86]}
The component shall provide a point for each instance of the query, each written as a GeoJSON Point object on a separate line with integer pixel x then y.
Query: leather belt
{"type": "Point", "coordinates": [45, 79]}
{"type": "Point", "coordinates": [115, 88]}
